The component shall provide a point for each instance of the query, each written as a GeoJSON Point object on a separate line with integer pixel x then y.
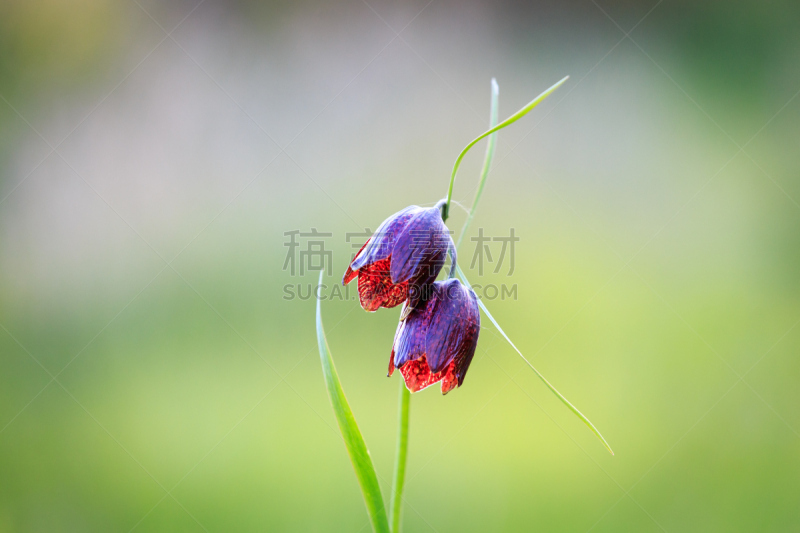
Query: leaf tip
{"type": "Point", "coordinates": [606, 445]}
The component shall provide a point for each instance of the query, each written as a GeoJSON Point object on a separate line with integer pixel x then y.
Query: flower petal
{"type": "Point", "coordinates": [380, 244]}
{"type": "Point", "coordinates": [417, 375]}
{"type": "Point", "coordinates": [349, 274]}
{"type": "Point", "coordinates": [450, 325]}
{"type": "Point", "coordinates": [409, 340]}
{"type": "Point", "coordinates": [375, 287]}
{"type": "Point", "coordinates": [421, 247]}
{"type": "Point", "coordinates": [472, 317]}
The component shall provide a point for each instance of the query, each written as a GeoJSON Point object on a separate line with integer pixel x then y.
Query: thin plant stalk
{"type": "Point", "coordinates": [404, 404]}
{"type": "Point", "coordinates": [539, 374]}
{"type": "Point", "coordinates": [507, 122]}
{"type": "Point", "coordinates": [404, 400]}
{"type": "Point", "coordinates": [351, 435]}
{"type": "Point", "coordinates": [487, 161]}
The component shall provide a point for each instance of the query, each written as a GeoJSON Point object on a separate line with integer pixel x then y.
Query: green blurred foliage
{"type": "Point", "coordinates": [658, 264]}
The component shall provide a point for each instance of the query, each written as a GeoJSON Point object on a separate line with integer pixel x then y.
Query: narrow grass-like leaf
{"type": "Point", "coordinates": [404, 402]}
{"type": "Point", "coordinates": [544, 380]}
{"type": "Point", "coordinates": [487, 160]}
{"type": "Point", "coordinates": [354, 442]}
{"type": "Point", "coordinates": [507, 122]}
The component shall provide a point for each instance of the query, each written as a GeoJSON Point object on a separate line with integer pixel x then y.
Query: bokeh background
{"type": "Point", "coordinates": [154, 378]}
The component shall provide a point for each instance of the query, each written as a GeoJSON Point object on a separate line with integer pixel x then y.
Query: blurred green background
{"type": "Point", "coordinates": [152, 155]}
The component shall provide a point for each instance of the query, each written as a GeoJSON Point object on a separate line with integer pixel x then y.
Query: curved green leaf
{"type": "Point", "coordinates": [507, 122]}
{"type": "Point", "coordinates": [549, 385]}
{"type": "Point", "coordinates": [354, 442]}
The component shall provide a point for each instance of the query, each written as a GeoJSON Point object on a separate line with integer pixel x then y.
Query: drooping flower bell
{"type": "Point", "coordinates": [402, 259]}
{"type": "Point", "coordinates": [436, 342]}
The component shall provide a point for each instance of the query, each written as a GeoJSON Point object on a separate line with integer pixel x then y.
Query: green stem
{"type": "Point", "coordinates": [507, 122]}
{"type": "Point", "coordinates": [487, 161]}
{"type": "Point", "coordinates": [404, 402]}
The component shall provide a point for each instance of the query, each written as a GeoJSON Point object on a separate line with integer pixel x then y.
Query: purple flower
{"type": "Point", "coordinates": [401, 260]}
{"type": "Point", "coordinates": [437, 341]}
